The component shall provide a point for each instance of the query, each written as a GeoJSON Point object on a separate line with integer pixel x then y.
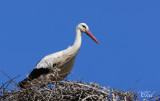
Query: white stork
{"type": "Point", "coordinates": [58, 65]}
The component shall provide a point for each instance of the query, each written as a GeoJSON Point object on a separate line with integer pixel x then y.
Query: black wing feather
{"type": "Point", "coordinates": [37, 72]}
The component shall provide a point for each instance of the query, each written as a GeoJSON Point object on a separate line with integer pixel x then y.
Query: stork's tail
{"type": "Point", "coordinates": [23, 83]}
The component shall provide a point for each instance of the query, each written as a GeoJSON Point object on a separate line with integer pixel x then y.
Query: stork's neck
{"type": "Point", "coordinates": [77, 44]}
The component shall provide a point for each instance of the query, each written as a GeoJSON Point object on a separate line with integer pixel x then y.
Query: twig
{"type": "Point", "coordinates": [90, 96]}
{"type": "Point", "coordinates": [9, 81]}
{"type": "Point", "coordinates": [8, 77]}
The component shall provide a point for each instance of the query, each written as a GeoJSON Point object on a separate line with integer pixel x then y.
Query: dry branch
{"type": "Point", "coordinates": [66, 91]}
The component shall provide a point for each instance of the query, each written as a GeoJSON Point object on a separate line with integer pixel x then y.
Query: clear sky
{"type": "Point", "coordinates": [128, 32]}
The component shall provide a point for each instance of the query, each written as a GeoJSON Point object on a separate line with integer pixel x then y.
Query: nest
{"type": "Point", "coordinates": [65, 91]}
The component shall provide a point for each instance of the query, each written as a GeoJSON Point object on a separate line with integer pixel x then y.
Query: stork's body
{"type": "Point", "coordinates": [58, 65]}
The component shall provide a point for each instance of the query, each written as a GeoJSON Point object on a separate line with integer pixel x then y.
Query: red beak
{"type": "Point", "coordinates": [91, 36]}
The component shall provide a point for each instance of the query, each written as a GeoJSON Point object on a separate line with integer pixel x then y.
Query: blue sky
{"type": "Point", "coordinates": [128, 33]}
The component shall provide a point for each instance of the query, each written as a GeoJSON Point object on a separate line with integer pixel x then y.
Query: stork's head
{"type": "Point", "coordinates": [85, 29]}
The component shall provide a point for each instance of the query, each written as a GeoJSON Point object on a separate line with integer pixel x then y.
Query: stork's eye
{"type": "Point", "coordinates": [84, 26]}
